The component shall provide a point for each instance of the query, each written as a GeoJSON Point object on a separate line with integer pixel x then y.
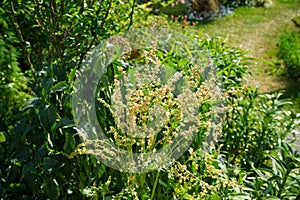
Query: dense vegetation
{"type": "Point", "coordinates": [43, 45]}
{"type": "Point", "coordinates": [289, 51]}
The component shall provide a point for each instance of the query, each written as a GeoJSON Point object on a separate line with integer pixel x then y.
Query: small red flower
{"type": "Point", "coordinates": [193, 23]}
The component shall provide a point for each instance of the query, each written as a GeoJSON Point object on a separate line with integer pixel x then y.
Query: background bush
{"type": "Point", "coordinates": [289, 51]}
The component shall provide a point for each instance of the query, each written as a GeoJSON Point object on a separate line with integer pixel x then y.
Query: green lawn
{"type": "Point", "coordinates": [256, 30]}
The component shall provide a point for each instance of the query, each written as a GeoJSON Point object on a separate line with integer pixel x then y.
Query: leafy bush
{"type": "Point", "coordinates": [38, 141]}
{"type": "Point", "coordinates": [39, 148]}
{"type": "Point", "coordinates": [12, 82]}
{"type": "Point", "coordinates": [254, 126]}
{"type": "Point", "coordinates": [277, 180]}
{"type": "Point", "coordinates": [230, 61]}
{"type": "Point", "coordinates": [64, 31]}
{"type": "Point", "coordinates": [289, 51]}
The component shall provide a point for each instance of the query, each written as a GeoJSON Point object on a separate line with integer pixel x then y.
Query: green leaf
{"type": "Point", "coordinates": [47, 84]}
{"type": "Point", "coordinates": [17, 186]}
{"type": "Point", "coordinates": [214, 197]}
{"type": "Point", "coordinates": [163, 183]}
{"type": "Point", "coordinates": [241, 196]}
{"type": "Point", "coordinates": [28, 167]}
{"type": "Point", "coordinates": [71, 75]}
{"type": "Point", "coordinates": [64, 123]}
{"type": "Point", "coordinates": [70, 143]}
{"type": "Point", "coordinates": [51, 188]}
{"type": "Point", "coordinates": [187, 196]}
{"type": "Point", "coordinates": [271, 198]}
{"type": "Point", "coordinates": [59, 87]}
{"type": "Point", "coordinates": [1, 154]}
{"type": "Point", "coordinates": [32, 103]}
{"type": "Point", "coordinates": [2, 137]}
{"type": "Point", "coordinates": [268, 190]}
{"type": "Point", "coordinates": [49, 163]}
{"type": "Point", "coordinates": [47, 116]}
{"type": "Point", "coordinates": [182, 63]}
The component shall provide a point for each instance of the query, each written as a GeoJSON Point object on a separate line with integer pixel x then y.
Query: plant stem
{"type": "Point", "coordinates": [22, 42]}
{"type": "Point", "coordinates": [154, 186]}
{"type": "Point", "coordinates": [131, 15]}
{"type": "Point", "coordinates": [283, 182]}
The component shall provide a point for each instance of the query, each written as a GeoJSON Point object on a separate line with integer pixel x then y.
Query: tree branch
{"type": "Point", "coordinates": [131, 15]}
{"type": "Point", "coordinates": [23, 43]}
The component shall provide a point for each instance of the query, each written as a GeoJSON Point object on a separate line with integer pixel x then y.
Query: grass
{"type": "Point", "coordinates": [257, 30]}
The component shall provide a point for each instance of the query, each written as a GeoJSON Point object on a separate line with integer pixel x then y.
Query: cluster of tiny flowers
{"type": "Point", "coordinates": [129, 192]}
{"type": "Point", "coordinates": [147, 114]}
{"type": "Point", "coordinates": [145, 107]}
{"type": "Point", "coordinates": [188, 178]}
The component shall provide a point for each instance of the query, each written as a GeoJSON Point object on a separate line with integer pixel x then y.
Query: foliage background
{"type": "Point", "coordinates": [42, 46]}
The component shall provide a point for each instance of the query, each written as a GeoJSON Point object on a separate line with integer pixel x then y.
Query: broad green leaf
{"type": "Point", "coordinates": [28, 167]}
{"type": "Point", "coordinates": [51, 188]}
{"type": "Point", "coordinates": [47, 84]}
{"type": "Point", "coordinates": [34, 102]}
{"type": "Point", "coordinates": [2, 137]}
{"type": "Point", "coordinates": [70, 143]}
{"type": "Point", "coordinates": [59, 87]}
{"type": "Point", "coordinates": [47, 116]}
{"type": "Point", "coordinates": [64, 123]}
{"type": "Point", "coordinates": [49, 163]}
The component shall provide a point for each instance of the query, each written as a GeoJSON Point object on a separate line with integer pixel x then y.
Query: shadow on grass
{"type": "Point", "coordinates": [292, 91]}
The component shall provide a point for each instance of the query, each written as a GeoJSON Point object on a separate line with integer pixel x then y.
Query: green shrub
{"type": "Point", "coordinates": [289, 51]}
{"type": "Point", "coordinates": [254, 126]}
{"type": "Point", "coordinates": [230, 61]}
{"type": "Point", "coordinates": [36, 144]}
{"type": "Point", "coordinates": [13, 84]}
{"type": "Point", "coordinates": [277, 180]}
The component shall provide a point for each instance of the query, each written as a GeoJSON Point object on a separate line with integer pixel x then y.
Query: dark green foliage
{"type": "Point", "coordinates": [177, 10]}
{"type": "Point", "coordinates": [39, 141]}
{"type": "Point", "coordinates": [37, 162]}
{"type": "Point", "coordinates": [12, 82]}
